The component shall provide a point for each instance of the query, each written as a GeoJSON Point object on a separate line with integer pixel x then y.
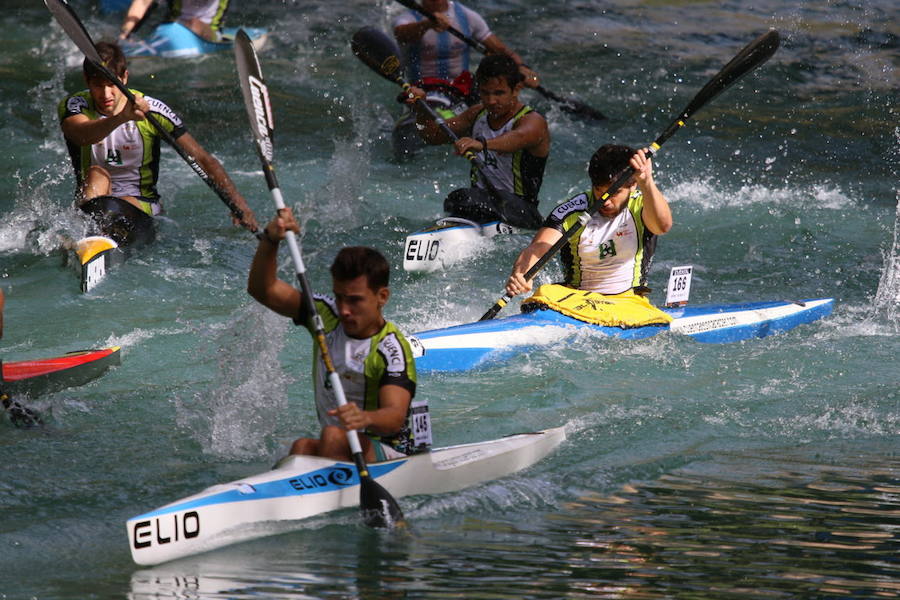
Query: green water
{"type": "Point", "coordinates": [767, 468]}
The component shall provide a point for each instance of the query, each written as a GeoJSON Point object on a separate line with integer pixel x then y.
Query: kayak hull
{"type": "Point", "coordinates": [174, 40]}
{"type": "Point", "coordinates": [474, 345]}
{"type": "Point", "coordinates": [47, 375]}
{"type": "Point", "coordinates": [301, 487]}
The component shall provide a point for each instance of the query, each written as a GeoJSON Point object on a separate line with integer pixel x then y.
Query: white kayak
{"type": "Point", "coordinates": [474, 345]}
{"type": "Point", "coordinates": [304, 486]}
{"type": "Point", "coordinates": [449, 240]}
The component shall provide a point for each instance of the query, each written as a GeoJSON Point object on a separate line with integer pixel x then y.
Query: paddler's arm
{"type": "Point", "coordinates": [215, 170]}
{"type": "Point", "coordinates": [543, 240]}
{"type": "Point", "coordinates": [388, 419]}
{"type": "Point", "coordinates": [530, 133]}
{"type": "Point", "coordinates": [135, 13]}
{"type": "Point", "coordinates": [656, 213]}
{"type": "Point", "coordinates": [431, 132]}
{"type": "Point", "coordinates": [263, 283]}
{"type": "Point", "coordinates": [81, 130]}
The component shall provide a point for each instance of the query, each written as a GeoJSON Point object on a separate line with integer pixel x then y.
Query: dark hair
{"type": "Point", "coordinates": [112, 57]}
{"type": "Point", "coordinates": [354, 261]}
{"type": "Point", "coordinates": [499, 65]}
{"type": "Point", "coordinates": [608, 161]}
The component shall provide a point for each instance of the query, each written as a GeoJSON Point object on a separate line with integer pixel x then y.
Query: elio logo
{"type": "Point", "coordinates": [166, 529]}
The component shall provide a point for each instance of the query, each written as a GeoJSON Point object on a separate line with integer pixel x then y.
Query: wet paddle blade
{"type": "Point", "coordinates": [572, 106]}
{"type": "Point", "coordinates": [377, 507]}
{"type": "Point", "coordinates": [256, 94]}
{"type": "Point", "coordinates": [379, 52]}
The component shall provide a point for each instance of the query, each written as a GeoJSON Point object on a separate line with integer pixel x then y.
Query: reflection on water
{"type": "Point", "coordinates": [770, 525]}
{"type": "Point", "coordinates": [790, 523]}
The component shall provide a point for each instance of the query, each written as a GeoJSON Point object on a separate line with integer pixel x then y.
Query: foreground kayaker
{"type": "Point", "coordinates": [115, 149]}
{"type": "Point", "coordinates": [370, 354]}
{"type": "Point", "coordinates": [612, 253]}
{"type": "Point", "coordinates": [514, 142]}
{"type": "Point", "coordinates": [203, 17]}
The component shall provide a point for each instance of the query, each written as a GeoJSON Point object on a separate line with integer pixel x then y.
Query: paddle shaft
{"type": "Point", "coordinates": [74, 28]}
{"type": "Point", "coordinates": [568, 104]}
{"type": "Point", "coordinates": [750, 57]}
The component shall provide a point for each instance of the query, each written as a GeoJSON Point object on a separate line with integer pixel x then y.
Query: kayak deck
{"type": "Point", "coordinates": [472, 345]}
{"type": "Point", "coordinates": [304, 486]}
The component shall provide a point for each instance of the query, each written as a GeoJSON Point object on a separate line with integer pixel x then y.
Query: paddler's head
{"type": "Point", "coordinates": [606, 164]}
{"type": "Point", "coordinates": [107, 97]}
{"type": "Point", "coordinates": [360, 278]}
{"type": "Point", "coordinates": [499, 83]}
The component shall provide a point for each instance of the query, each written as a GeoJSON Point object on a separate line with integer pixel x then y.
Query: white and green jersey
{"type": "Point", "coordinates": [608, 255]}
{"type": "Point", "coordinates": [130, 154]}
{"type": "Point", "coordinates": [519, 172]}
{"type": "Point", "coordinates": [364, 366]}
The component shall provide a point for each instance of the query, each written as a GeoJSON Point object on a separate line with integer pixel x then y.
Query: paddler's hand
{"type": "Point", "coordinates": [283, 222]}
{"type": "Point", "coordinates": [137, 110]}
{"type": "Point", "coordinates": [531, 77]}
{"type": "Point", "coordinates": [441, 22]}
{"type": "Point", "coordinates": [643, 168]}
{"type": "Point", "coordinates": [351, 416]}
{"type": "Point", "coordinates": [248, 220]}
{"type": "Point", "coordinates": [412, 95]}
{"type": "Point", "coordinates": [517, 284]}
{"type": "Point", "coordinates": [467, 144]}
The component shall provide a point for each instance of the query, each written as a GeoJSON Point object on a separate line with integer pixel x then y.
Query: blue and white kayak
{"type": "Point", "coordinates": [300, 487]}
{"type": "Point", "coordinates": [174, 40]}
{"type": "Point", "coordinates": [473, 345]}
{"type": "Point", "coordinates": [449, 240]}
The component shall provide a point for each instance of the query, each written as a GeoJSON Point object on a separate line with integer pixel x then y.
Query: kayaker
{"type": "Point", "coordinates": [371, 355]}
{"type": "Point", "coordinates": [115, 149]}
{"type": "Point", "coordinates": [433, 53]}
{"type": "Point", "coordinates": [612, 253]}
{"type": "Point", "coordinates": [203, 17]}
{"type": "Point", "coordinates": [512, 139]}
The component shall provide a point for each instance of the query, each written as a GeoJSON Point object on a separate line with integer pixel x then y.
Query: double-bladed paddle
{"type": "Point", "coordinates": [753, 55]}
{"type": "Point", "coordinates": [379, 52]}
{"type": "Point", "coordinates": [74, 28]}
{"type": "Point", "coordinates": [569, 105]}
{"type": "Point", "coordinates": [379, 508]}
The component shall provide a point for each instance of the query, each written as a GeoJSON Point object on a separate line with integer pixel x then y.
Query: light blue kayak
{"type": "Point", "coordinates": [479, 344]}
{"type": "Point", "coordinates": [174, 40]}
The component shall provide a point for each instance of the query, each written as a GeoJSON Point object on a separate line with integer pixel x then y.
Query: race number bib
{"type": "Point", "coordinates": [421, 423]}
{"type": "Point", "coordinates": [679, 288]}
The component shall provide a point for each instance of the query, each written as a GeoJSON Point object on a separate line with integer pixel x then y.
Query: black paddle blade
{"type": "Point", "coordinates": [379, 52]}
{"type": "Point", "coordinates": [377, 506]}
{"type": "Point", "coordinates": [73, 27]}
{"type": "Point", "coordinates": [20, 415]}
{"type": "Point", "coordinates": [256, 94]}
{"type": "Point", "coordinates": [572, 106]}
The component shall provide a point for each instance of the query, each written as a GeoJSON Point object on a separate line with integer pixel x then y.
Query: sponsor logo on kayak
{"type": "Point", "coordinates": [418, 250]}
{"type": "Point", "coordinates": [167, 529]}
{"type": "Point", "coordinates": [321, 480]}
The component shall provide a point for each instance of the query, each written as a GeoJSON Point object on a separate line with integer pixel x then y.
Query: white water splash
{"type": "Point", "coordinates": [888, 295]}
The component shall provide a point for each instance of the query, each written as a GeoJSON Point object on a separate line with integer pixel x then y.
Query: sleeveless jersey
{"type": "Point", "coordinates": [364, 366]}
{"type": "Point", "coordinates": [608, 256]}
{"type": "Point", "coordinates": [441, 54]}
{"type": "Point", "coordinates": [130, 154]}
{"type": "Point", "coordinates": [519, 172]}
{"type": "Point", "coordinates": [209, 11]}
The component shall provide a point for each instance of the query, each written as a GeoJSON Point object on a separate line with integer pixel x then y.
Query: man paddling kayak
{"type": "Point", "coordinates": [115, 149]}
{"type": "Point", "coordinates": [513, 140]}
{"type": "Point", "coordinates": [370, 354]}
{"type": "Point", "coordinates": [612, 253]}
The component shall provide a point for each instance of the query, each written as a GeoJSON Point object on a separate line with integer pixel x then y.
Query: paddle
{"type": "Point", "coordinates": [753, 55]}
{"type": "Point", "coordinates": [379, 508]}
{"type": "Point", "coordinates": [73, 27]}
{"type": "Point", "coordinates": [568, 105]}
{"type": "Point", "coordinates": [379, 52]}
